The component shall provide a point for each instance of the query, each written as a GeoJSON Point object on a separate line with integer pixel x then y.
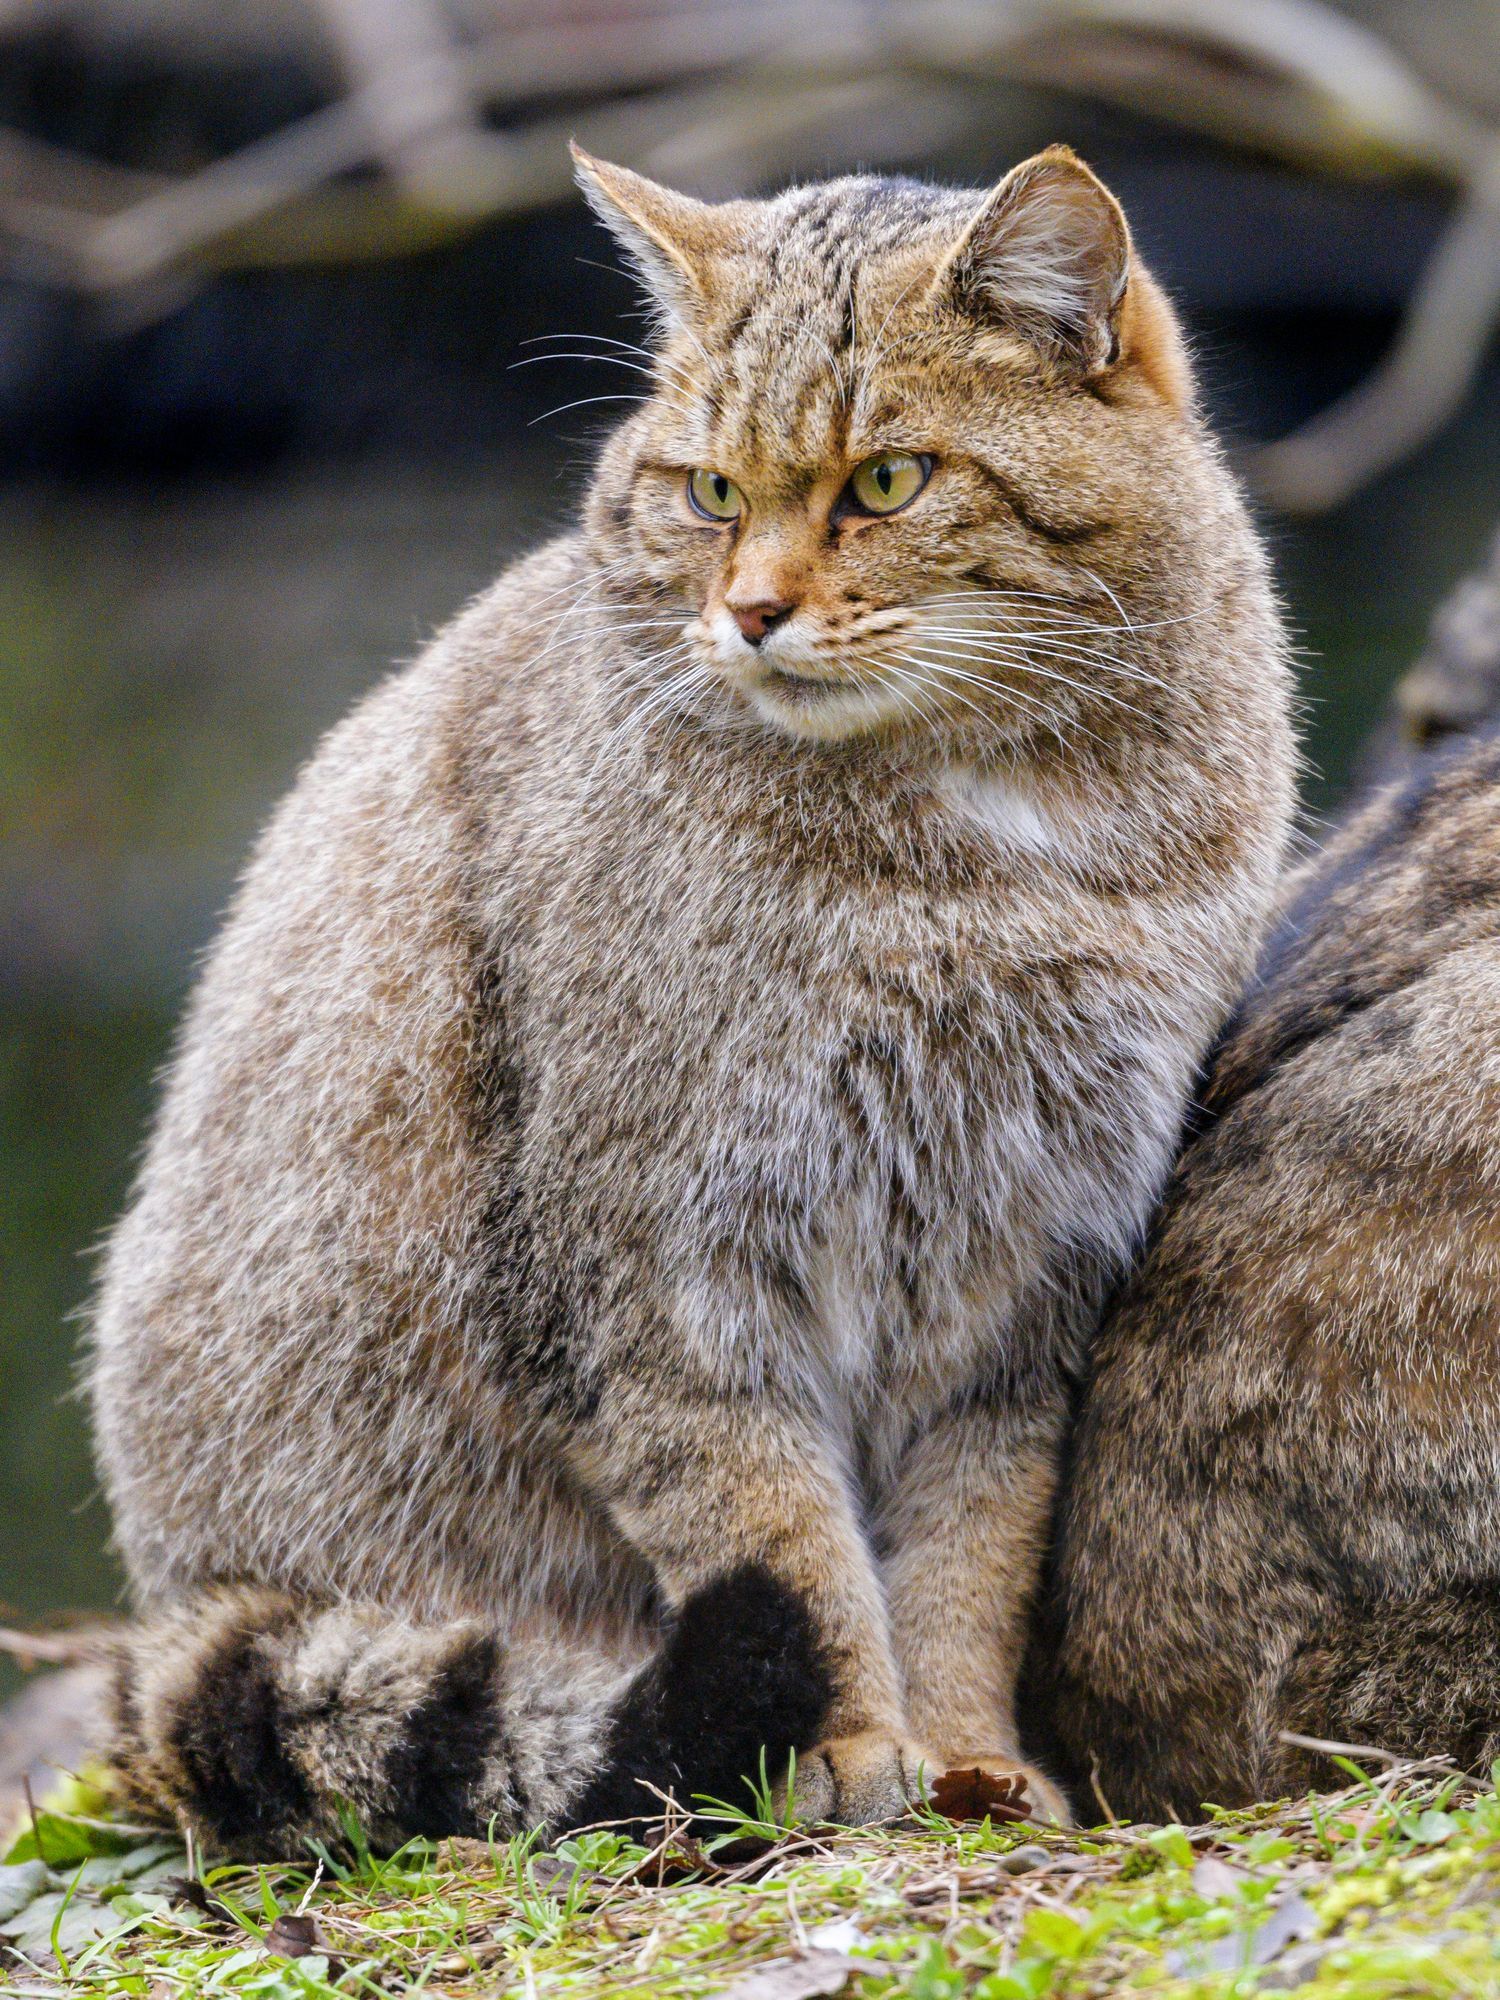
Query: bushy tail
{"type": "Point", "coordinates": [256, 1719]}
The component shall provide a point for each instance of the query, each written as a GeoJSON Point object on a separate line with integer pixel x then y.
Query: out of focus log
{"type": "Point", "coordinates": [723, 94]}
{"type": "Point", "coordinates": [1453, 686]}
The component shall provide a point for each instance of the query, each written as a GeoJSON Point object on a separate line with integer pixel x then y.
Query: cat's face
{"type": "Point", "coordinates": [900, 455]}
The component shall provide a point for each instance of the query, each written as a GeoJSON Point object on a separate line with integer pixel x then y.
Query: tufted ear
{"type": "Point", "coordinates": [1047, 255]}
{"type": "Point", "coordinates": [671, 239]}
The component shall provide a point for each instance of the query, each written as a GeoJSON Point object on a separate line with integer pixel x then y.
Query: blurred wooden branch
{"type": "Point", "coordinates": [728, 91]}
{"type": "Point", "coordinates": [1437, 353]}
{"type": "Point", "coordinates": [1452, 687]}
{"type": "Point", "coordinates": [1291, 76]}
{"type": "Point", "coordinates": [53, 1649]}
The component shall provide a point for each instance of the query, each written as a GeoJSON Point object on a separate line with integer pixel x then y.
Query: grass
{"type": "Point", "coordinates": [1387, 1888]}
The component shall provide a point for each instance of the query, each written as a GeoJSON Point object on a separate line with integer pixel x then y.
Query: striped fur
{"type": "Point", "coordinates": [664, 1106]}
{"type": "Point", "coordinates": [263, 1719]}
{"type": "Point", "coordinates": [1282, 1512]}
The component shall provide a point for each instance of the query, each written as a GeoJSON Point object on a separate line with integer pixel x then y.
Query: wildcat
{"type": "Point", "coordinates": [1281, 1516]}
{"type": "Point", "coordinates": [689, 1056]}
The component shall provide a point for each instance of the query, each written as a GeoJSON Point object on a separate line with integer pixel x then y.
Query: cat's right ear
{"type": "Point", "coordinates": [671, 239]}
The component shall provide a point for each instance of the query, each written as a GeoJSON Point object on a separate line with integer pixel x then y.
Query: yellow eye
{"type": "Point", "coordinates": [888, 482]}
{"type": "Point", "coordinates": [713, 496]}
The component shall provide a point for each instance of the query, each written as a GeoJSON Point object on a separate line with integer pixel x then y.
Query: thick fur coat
{"type": "Point", "coordinates": [1282, 1514]}
{"type": "Point", "coordinates": [687, 1060]}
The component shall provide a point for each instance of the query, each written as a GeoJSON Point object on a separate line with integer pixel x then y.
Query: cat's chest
{"type": "Point", "coordinates": [905, 1143]}
{"type": "Point", "coordinates": [815, 1015]}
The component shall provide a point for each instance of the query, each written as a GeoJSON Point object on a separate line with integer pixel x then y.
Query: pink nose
{"type": "Point", "coordinates": [756, 620]}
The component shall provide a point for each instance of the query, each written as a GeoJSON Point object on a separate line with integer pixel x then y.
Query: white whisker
{"type": "Point", "coordinates": [877, 348]}
{"type": "Point", "coordinates": [673, 392]}
{"type": "Point", "coordinates": [581, 403]}
{"type": "Point", "coordinates": [948, 673]}
{"type": "Point", "coordinates": [907, 687]}
{"type": "Point", "coordinates": [946, 667]}
{"type": "Point", "coordinates": [653, 356]}
{"type": "Point", "coordinates": [660, 699]}
{"type": "Point", "coordinates": [787, 319]}
{"type": "Point", "coordinates": [1099, 580]}
{"type": "Point", "coordinates": [1046, 598]}
{"type": "Point", "coordinates": [612, 631]}
{"type": "Point", "coordinates": [1017, 657]}
{"type": "Point", "coordinates": [1005, 643]}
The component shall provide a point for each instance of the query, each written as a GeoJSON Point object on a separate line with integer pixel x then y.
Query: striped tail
{"type": "Point", "coordinates": [259, 1720]}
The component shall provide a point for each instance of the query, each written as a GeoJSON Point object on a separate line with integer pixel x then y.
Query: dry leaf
{"type": "Point", "coordinates": [187, 1889]}
{"type": "Point", "coordinates": [808, 1977]}
{"type": "Point", "coordinates": [1287, 1922]}
{"type": "Point", "coordinates": [293, 1936]}
{"type": "Point", "coordinates": [978, 1794]}
{"type": "Point", "coordinates": [1214, 1878]}
{"type": "Point", "coordinates": [1024, 1860]}
{"type": "Point", "coordinates": [463, 1855]}
{"type": "Point", "coordinates": [674, 1862]}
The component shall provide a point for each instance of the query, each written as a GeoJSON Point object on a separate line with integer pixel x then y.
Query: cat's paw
{"type": "Point", "coordinates": [856, 1780]}
{"type": "Point", "coordinates": [983, 1782]}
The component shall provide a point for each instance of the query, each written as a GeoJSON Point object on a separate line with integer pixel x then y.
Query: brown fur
{"type": "Point", "coordinates": [664, 1106]}
{"type": "Point", "coordinates": [1282, 1513]}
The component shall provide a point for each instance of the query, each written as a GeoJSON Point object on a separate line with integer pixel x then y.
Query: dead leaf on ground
{"type": "Point", "coordinates": [293, 1936]}
{"type": "Point", "coordinates": [672, 1861]}
{"type": "Point", "coordinates": [1288, 1921]}
{"type": "Point", "coordinates": [186, 1889]}
{"type": "Point", "coordinates": [974, 1793]}
{"type": "Point", "coordinates": [809, 1977]}
{"type": "Point", "coordinates": [463, 1855]}
{"type": "Point", "coordinates": [1214, 1878]}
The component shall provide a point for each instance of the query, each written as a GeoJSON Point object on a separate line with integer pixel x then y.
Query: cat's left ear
{"type": "Point", "coordinates": [1048, 255]}
{"type": "Point", "coordinates": [672, 239]}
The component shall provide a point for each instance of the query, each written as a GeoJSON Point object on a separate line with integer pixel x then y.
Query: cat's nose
{"type": "Point", "coordinates": [756, 620]}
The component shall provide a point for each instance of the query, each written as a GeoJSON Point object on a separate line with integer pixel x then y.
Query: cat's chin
{"type": "Point", "coordinates": [816, 707]}
{"type": "Point", "coordinates": [820, 711]}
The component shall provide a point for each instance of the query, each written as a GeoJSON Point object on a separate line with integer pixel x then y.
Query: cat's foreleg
{"type": "Point", "coordinates": [964, 1529]}
{"type": "Point", "coordinates": [702, 1484]}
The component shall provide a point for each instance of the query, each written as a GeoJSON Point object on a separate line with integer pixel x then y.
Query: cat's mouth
{"type": "Point", "coordinates": [792, 684]}
{"type": "Point", "coordinates": [801, 685]}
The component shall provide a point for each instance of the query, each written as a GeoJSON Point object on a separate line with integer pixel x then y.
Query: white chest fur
{"type": "Point", "coordinates": [1016, 815]}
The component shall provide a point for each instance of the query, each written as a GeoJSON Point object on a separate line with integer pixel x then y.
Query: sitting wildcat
{"type": "Point", "coordinates": [1283, 1516]}
{"type": "Point", "coordinates": [690, 1055]}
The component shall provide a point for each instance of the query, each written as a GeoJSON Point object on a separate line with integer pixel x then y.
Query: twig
{"type": "Point", "coordinates": [30, 1649]}
{"type": "Point", "coordinates": [1422, 381]}
{"type": "Point", "coordinates": [36, 1825]}
{"type": "Point", "coordinates": [1329, 1748]}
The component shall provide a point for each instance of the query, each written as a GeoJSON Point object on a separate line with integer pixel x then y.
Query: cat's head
{"type": "Point", "coordinates": [911, 460]}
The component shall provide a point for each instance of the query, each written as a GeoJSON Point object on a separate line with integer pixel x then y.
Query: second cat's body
{"type": "Point", "coordinates": [619, 1145]}
{"type": "Point", "coordinates": [1281, 1525]}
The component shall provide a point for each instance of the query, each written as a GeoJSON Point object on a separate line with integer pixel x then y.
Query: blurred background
{"type": "Point", "coordinates": [267, 266]}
